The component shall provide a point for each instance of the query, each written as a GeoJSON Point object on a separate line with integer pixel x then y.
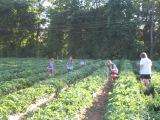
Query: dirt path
{"type": "Point", "coordinates": [97, 111]}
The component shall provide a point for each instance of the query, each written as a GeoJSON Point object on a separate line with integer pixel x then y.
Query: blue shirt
{"type": "Point", "coordinates": [51, 66]}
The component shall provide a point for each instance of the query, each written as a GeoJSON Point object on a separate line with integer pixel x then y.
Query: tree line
{"type": "Point", "coordinates": [81, 28]}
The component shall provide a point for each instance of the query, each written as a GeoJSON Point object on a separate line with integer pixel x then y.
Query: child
{"type": "Point", "coordinates": [82, 62]}
{"type": "Point", "coordinates": [69, 64]}
{"type": "Point", "coordinates": [112, 70]}
{"type": "Point", "coordinates": [51, 68]}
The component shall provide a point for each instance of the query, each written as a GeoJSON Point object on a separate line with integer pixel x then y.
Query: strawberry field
{"type": "Point", "coordinates": [28, 93]}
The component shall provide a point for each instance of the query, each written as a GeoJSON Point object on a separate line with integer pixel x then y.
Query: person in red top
{"type": "Point", "coordinates": [112, 70]}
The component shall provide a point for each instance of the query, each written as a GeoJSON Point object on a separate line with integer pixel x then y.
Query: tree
{"type": "Point", "coordinates": [19, 27]}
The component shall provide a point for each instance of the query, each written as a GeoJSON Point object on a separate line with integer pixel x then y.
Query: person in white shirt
{"type": "Point", "coordinates": [82, 62]}
{"type": "Point", "coordinates": [69, 64]}
{"type": "Point", "coordinates": [145, 69]}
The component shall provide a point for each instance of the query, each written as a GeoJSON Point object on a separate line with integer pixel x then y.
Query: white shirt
{"type": "Point", "coordinates": [145, 66]}
{"type": "Point", "coordinates": [82, 62]}
{"type": "Point", "coordinates": [70, 65]}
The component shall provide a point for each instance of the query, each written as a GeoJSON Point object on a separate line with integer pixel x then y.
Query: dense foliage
{"type": "Point", "coordinates": [129, 100]}
{"type": "Point", "coordinates": [16, 96]}
{"type": "Point", "coordinates": [82, 28]}
{"type": "Point", "coordinates": [20, 22]}
{"type": "Point", "coordinates": [107, 28]}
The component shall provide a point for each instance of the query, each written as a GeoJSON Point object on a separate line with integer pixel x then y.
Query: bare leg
{"type": "Point", "coordinates": [147, 83]}
{"type": "Point", "coordinates": [143, 82]}
{"type": "Point", "coordinates": [49, 75]}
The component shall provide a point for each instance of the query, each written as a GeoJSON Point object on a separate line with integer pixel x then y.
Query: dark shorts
{"type": "Point", "coordinates": [148, 76]}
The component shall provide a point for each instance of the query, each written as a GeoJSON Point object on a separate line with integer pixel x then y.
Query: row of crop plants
{"type": "Point", "coordinates": [20, 100]}
{"type": "Point", "coordinates": [28, 71]}
{"type": "Point", "coordinates": [22, 68]}
{"type": "Point", "coordinates": [32, 69]}
{"type": "Point", "coordinates": [15, 63]}
{"type": "Point", "coordinates": [151, 96]}
{"type": "Point", "coordinates": [69, 103]}
{"type": "Point", "coordinates": [25, 71]}
{"type": "Point", "coordinates": [153, 101]}
{"type": "Point", "coordinates": [127, 102]}
{"type": "Point", "coordinates": [12, 85]}
{"type": "Point", "coordinates": [21, 63]}
{"type": "Point", "coordinates": [7, 87]}
{"type": "Point", "coordinates": [9, 63]}
{"type": "Point", "coordinates": [76, 98]}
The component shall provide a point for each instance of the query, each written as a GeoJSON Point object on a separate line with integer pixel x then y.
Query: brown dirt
{"type": "Point", "coordinates": [97, 111]}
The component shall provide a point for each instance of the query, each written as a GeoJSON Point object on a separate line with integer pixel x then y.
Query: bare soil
{"type": "Point", "coordinates": [97, 111]}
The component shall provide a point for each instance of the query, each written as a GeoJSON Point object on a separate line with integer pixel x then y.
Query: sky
{"type": "Point", "coordinates": [46, 3]}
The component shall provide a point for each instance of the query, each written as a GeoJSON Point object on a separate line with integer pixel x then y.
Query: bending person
{"type": "Point", "coordinates": [112, 70]}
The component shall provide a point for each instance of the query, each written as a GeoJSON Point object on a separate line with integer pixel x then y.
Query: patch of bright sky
{"type": "Point", "coordinates": [46, 4]}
